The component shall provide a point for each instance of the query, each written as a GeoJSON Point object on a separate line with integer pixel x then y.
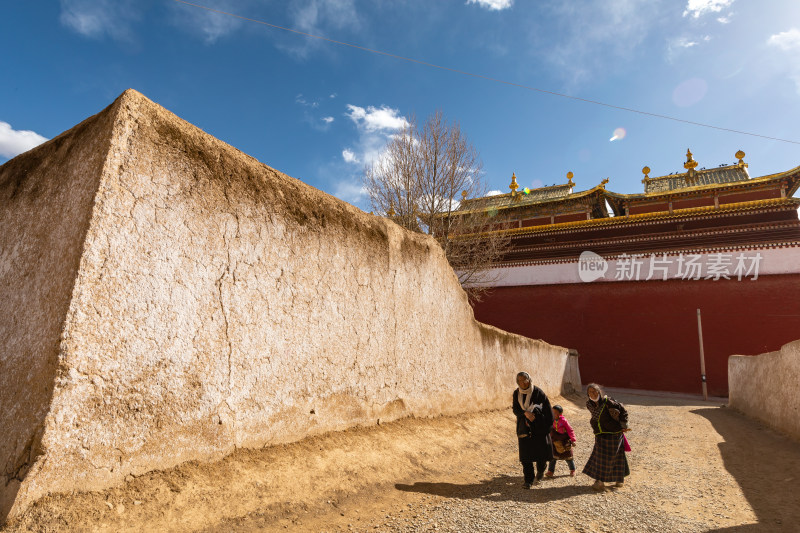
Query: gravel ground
{"type": "Point", "coordinates": [695, 466]}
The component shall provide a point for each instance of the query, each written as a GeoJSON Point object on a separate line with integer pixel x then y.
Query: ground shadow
{"type": "Point", "coordinates": [765, 464]}
{"type": "Point", "coordinates": [498, 489]}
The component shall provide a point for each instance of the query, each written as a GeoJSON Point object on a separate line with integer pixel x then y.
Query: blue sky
{"type": "Point", "coordinates": [320, 111]}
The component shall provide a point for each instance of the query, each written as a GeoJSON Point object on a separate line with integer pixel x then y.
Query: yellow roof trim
{"type": "Point", "coordinates": [758, 180]}
{"type": "Point", "coordinates": [537, 202]}
{"type": "Point", "coordinates": [678, 213]}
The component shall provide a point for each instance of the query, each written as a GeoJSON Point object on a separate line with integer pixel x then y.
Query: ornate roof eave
{"type": "Point", "coordinates": [642, 217]}
{"type": "Point", "coordinates": [752, 182]}
{"type": "Point", "coordinates": [600, 189]}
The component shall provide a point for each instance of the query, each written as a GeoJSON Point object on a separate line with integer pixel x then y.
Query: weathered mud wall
{"type": "Point", "coordinates": [219, 304]}
{"type": "Point", "coordinates": [767, 387]}
{"type": "Point", "coordinates": [46, 199]}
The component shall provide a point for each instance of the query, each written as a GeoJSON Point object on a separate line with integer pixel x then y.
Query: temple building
{"type": "Point", "coordinates": [620, 277]}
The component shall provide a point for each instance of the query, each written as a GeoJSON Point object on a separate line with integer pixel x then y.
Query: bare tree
{"type": "Point", "coordinates": [419, 183]}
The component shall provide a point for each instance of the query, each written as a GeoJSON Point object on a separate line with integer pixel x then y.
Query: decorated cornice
{"type": "Point", "coordinates": [774, 204]}
{"type": "Point", "coordinates": [793, 177]}
{"type": "Point", "coordinates": [598, 190]}
{"type": "Point", "coordinates": [698, 233]}
{"type": "Point", "coordinates": [688, 250]}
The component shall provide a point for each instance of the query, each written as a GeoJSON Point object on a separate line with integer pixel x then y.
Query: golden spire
{"type": "Point", "coordinates": [513, 185]}
{"type": "Point", "coordinates": [463, 195]}
{"type": "Point", "coordinates": [391, 211]}
{"type": "Point", "coordinates": [690, 164]}
{"type": "Point", "coordinates": [604, 182]}
{"type": "Point", "coordinates": [740, 156]}
{"type": "Point", "coordinates": [646, 172]}
{"type": "Point", "coordinates": [570, 175]}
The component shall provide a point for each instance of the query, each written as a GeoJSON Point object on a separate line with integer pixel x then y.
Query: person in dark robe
{"type": "Point", "coordinates": [609, 421]}
{"type": "Point", "coordinates": [534, 420]}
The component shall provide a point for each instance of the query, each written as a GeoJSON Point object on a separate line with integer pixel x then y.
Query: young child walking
{"type": "Point", "coordinates": [563, 439]}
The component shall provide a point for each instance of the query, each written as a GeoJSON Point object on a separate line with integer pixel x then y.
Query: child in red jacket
{"type": "Point", "coordinates": [563, 439]}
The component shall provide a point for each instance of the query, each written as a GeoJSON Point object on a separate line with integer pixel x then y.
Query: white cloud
{"type": "Point", "coordinates": [787, 40]}
{"type": "Point", "coordinates": [375, 125]}
{"type": "Point", "coordinates": [14, 142]}
{"type": "Point", "coordinates": [494, 193]}
{"type": "Point", "coordinates": [318, 123]}
{"type": "Point", "coordinates": [349, 156]}
{"type": "Point", "coordinates": [206, 24]}
{"type": "Point", "coordinates": [698, 8]}
{"type": "Point", "coordinates": [99, 18]}
{"type": "Point", "coordinates": [678, 45]}
{"type": "Point", "coordinates": [493, 5]}
{"type": "Point", "coordinates": [352, 192]}
{"type": "Point", "coordinates": [376, 119]}
{"type": "Point", "coordinates": [580, 48]}
{"type": "Point", "coordinates": [300, 99]}
{"type": "Point", "coordinates": [317, 17]}
{"type": "Point", "coordinates": [726, 19]}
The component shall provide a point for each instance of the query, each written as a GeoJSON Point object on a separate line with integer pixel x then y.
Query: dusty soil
{"type": "Point", "coordinates": [696, 466]}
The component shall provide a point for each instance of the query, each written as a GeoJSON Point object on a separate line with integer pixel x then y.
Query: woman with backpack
{"type": "Point", "coordinates": [609, 421]}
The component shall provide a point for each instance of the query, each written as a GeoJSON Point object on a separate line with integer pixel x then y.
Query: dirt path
{"type": "Point", "coordinates": [695, 467]}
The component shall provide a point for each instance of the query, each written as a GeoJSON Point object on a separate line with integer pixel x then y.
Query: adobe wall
{"type": "Point", "coordinates": [766, 387]}
{"type": "Point", "coordinates": [46, 199]}
{"type": "Point", "coordinates": [220, 304]}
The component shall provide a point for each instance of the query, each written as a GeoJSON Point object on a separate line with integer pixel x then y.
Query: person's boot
{"type": "Point", "coordinates": [599, 486]}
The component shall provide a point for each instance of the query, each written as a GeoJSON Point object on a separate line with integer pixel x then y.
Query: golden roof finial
{"type": "Point", "coordinates": [391, 211]}
{"type": "Point", "coordinates": [463, 195]}
{"type": "Point", "coordinates": [690, 164]}
{"type": "Point", "coordinates": [740, 156]}
{"type": "Point", "coordinates": [603, 183]}
{"type": "Point", "coordinates": [513, 185]}
{"type": "Point", "coordinates": [570, 175]}
{"type": "Point", "coordinates": [646, 172]}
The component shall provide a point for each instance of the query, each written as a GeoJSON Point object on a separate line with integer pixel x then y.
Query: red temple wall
{"type": "Point", "coordinates": [535, 222]}
{"type": "Point", "coordinates": [572, 217]}
{"type": "Point", "coordinates": [689, 203]}
{"type": "Point", "coordinates": [648, 208]}
{"type": "Point", "coordinates": [643, 335]}
{"type": "Point", "coordinates": [764, 194]}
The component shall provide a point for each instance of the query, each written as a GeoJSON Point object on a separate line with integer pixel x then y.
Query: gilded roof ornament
{"type": "Point", "coordinates": [514, 186]}
{"type": "Point", "coordinates": [740, 156]}
{"type": "Point", "coordinates": [646, 172]}
{"type": "Point", "coordinates": [690, 164]}
{"type": "Point", "coordinates": [463, 195]}
{"type": "Point", "coordinates": [603, 183]}
{"type": "Point", "coordinates": [391, 211]}
{"type": "Point", "coordinates": [570, 175]}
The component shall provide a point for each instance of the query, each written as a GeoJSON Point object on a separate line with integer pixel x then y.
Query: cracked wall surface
{"type": "Point", "coordinates": [46, 199]}
{"type": "Point", "coordinates": [219, 303]}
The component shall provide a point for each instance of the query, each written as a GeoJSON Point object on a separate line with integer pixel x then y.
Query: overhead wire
{"type": "Point", "coordinates": [484, 77]}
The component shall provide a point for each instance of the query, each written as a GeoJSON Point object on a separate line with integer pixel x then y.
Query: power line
{"type": "Point", "coordinates": [484, 77]}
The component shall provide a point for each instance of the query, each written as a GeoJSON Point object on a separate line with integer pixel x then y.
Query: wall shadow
{"type": "Point", "coordinates": [498, 489]}
{"type": "Point", "coordinates": [765, 464]}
